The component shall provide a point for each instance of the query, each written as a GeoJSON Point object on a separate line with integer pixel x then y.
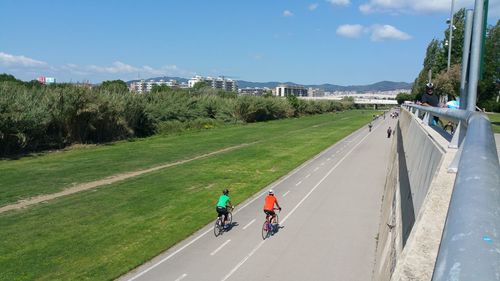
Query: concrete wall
{"type": "Point", "coordinates": [411, 219]}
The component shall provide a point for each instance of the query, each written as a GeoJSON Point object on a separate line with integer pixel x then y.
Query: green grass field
{"type": "Point", "coordinates": [30, 176]}
{"type": "Point", "coordinates": [495, 122]}
{"type": "Point", "coordinates": [102, 233]}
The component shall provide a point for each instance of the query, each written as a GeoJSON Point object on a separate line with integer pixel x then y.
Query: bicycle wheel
{"type": "Point", "coordinates": [275, 220]}
{"type": "Point", "coordinates": [275, 224]}
{"type": "Point", "coordinates": [265, 230]}
{"type": "Point", "coordinates": [217, 227]}
{"type": "Point", "coordinates": [229, 218]}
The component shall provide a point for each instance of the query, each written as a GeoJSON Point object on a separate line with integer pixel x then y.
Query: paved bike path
{"type": "Point", "coordinates": [329, 223]}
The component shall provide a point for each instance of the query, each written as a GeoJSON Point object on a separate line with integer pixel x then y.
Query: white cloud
{"type": "Point", "coordinates": [350, 30]}
{"type": "Point", "coordinates": [386, 32]}
{"type": "Point", "coordinates": [313, 6]}
{"type": "Point", "coordinates": [377, 32]}
{"type": "Point", "coordinates": [287, 13]}
{"type": "Point", "coordinates": [339, 2]}
{"type": "Point", "coordinates": [118, 69]}
{"type": "Point", "coordinates": [16, 61]}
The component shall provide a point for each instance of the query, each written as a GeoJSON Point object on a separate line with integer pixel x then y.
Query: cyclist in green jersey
{"type": "Point", "coordinates": [222, 205]}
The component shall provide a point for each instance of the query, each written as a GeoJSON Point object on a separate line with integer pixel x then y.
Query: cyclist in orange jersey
{"type": "Point", "coordinates": [269, 206]}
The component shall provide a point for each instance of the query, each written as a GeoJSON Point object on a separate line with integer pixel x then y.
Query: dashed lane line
{"type": "Point", "coordinates": [292, 211]}
{"type": "Point", "coordinates": [181, 277]}
{"type": "Point", "coordinates": [220, 247]}
{"type": "Point", "coordinates": [239, 209]}
{"type": "Point", "coordinates": [248, 224]}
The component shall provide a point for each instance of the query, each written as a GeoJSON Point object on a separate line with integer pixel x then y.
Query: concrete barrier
{"type": "Point", "coordinates": [416, 198]}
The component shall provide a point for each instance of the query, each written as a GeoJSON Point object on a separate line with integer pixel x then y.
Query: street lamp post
{"type": "Point", "coordinates": [450, 37]}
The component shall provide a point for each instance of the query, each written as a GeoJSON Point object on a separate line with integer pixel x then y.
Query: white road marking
{"type": "Point", "coordinates": [328, 150]}
{"type": "Point", "coordinates": [298, 183]}
{"type": "Point", "coordinates": [181, 277]}
{"type": "Point", "coordinates": [308, 175]}
{"type": "Point", "coordinates": [328, 159]}
{"type": "Point", "coordinates": [220, 247]}
{"type": "Point", "coordinates": [315, 169]}
{"type": "Point", "coordinates": [244, 260]}
{"type": "Point", "coordinates": [235, 212]}
{"type": "Point", "coordinates": [327, 174]}
{"type": "Point", "coordinates": [292, 211]}
{"type": "Point", "coordinates": [248, 224]}
{"type": "Point", "coordinates": [322, 164]}
{"type": "Point", "coordinates": [286, 193]}
{"type": "Point", "coordinates": [171, 255]}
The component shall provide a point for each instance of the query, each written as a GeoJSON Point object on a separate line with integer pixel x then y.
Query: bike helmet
{"type": "Point", "coordinates": [429, 86]}
{"type": "Point", "coordinates": [271, 192]}
{"type": "Point", "coordinates": [226, 191]}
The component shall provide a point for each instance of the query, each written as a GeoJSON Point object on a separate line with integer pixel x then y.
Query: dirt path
{"type": "Point", "coordinates": [109, 180]}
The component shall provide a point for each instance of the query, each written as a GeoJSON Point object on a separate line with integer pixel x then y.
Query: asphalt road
{"type": "Point", "coordinates": [328, 225]}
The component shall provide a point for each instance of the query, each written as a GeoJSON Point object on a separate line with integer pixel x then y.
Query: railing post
{"type": "Point", "coordinates": [465, 59]}
{"type": "Point", "coordinates": [427, 119]}
{"type": "Point", "coordinates": [458, 136]}
{"type": "Point", "coordinates": [453, 168]}
{"type": "Point", "coordinates": [475, 55]}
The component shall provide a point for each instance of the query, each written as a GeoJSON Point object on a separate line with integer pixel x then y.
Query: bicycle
{"type": "Point", "coordinates": [218, 226]}
{"type": "Point", "coordinates": [270, 227]}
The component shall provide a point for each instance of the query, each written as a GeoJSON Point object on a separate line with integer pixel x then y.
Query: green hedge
{"type": "Point", "coordinates": [34, 118]}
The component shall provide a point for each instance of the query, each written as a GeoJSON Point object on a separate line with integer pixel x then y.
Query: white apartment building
{"type": "Point", "coordinates": [286, 90]}
{"type": "Point", "coordinates": [146, 86]}
{"type": "Point", "coordinates": [216, 83]}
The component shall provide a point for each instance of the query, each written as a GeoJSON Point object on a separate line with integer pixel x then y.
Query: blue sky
{"type": "Point", "coordinates": [344, 42]}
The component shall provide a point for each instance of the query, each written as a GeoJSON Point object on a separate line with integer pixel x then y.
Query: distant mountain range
{"type": "Point", "coordinates": [379, 86]}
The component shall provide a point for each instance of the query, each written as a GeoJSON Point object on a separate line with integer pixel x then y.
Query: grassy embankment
{"type": "Point", "coordinates": [495, 122]}
{"type": "Point", "coordinates": [102, 233]}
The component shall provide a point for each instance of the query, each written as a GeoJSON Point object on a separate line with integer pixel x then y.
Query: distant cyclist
{"type": "Point", "coordinates": [269, 206]}
{"type": "Point", "coordinates": [222, 205]}
{"type": "Point", "coordinates": [370, 127]}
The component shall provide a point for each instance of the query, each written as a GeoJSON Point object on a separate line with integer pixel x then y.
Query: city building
{"type": "Point", "coordinates": [315, 92]}
{"type": "Point", "coordinates": [286, 90]}
{"type": "Point", "coordinates": [143, 86]}
{"type": "Point", "coordinates": [46, 80]}
{"type": "Point", "coordinates": [253, 91]}
{"type": "Point", "coordinates": [216, 83]}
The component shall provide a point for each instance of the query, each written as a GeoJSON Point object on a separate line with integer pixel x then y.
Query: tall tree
{"type": "Point", "coordinates": [114, 86]}
{"type": "Point", "coordinates": [434, 61]}
{"type": "Point", "coordinates": [489, 86]}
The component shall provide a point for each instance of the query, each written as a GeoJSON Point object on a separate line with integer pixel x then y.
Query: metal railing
{"type": "Point", "coordinates": [470, 245]}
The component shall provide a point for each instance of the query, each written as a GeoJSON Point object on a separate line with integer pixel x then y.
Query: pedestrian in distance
{"type": "Point", "coordinates": [389, 132]}
{"type": "Point", "coordinates": [370, 127]}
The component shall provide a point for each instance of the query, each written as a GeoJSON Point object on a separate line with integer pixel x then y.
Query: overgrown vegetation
{"type": "Point", "coordinates": [448, 82]}
{"type": "Point", "coordinates": [36, 117]}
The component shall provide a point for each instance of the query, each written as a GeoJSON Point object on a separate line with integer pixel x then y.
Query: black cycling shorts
{"type": "Point", "coordinates": [270, 212]}
{"type": "Point", "coordinates": [221, 210]}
